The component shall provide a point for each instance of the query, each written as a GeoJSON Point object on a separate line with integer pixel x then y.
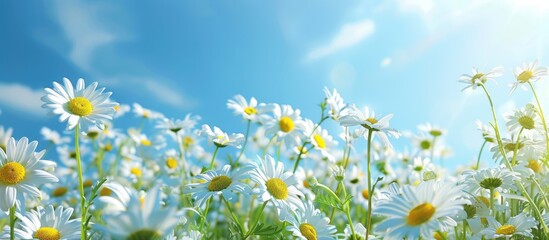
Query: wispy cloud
{"type": "Point", "coordinates": [349, 35]}
{"type": "Point", "coordinates": [21, 98]}
{"type": "Point", "coordinates": [79, 21]}
{"type": "Point", "coordinates": [168, 95]}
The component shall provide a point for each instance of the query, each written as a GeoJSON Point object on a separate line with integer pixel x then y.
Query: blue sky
{"type": "Point", "coordinates": [178, 57]}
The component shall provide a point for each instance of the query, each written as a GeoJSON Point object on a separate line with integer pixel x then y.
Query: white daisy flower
{"type": "Point", "coordinates": [527, 73]}
{"type": "Point", "coordinates": [352, 116]}
{"type": "Point", "coordinates": [286, 124]}
{"type": "Point", "coordinates": [143, 217]}
{"type": "Point", "coordinates": [525, 118]}
{"type": "Point", "coordinates": [222, 139]}
{"type": "Point", "coordinates": [146, 113]}
{"type": "Point", "coordinates": [121, 110]}
{"type": "Point", "coordinates": [5, 135]}
{"type": "Point", "coordinates": [499, 179]}
{"type": "Point", "coordinates": [83, 106]}
{"type": "Point", "coordinates": [310, 223]}
{"type": "Point", "coordinates": [276, 185]}
{"type": "Point", "coordinates": [420, 211]}
{"type": "Point", "coordinates": [335, 102]}
{"type": "Point", "coordinates": [222, 182]}
{"type": "Point", "coordinates": [321, 140]}
{"type": "Point", "coordinates": [21, 172]}
{"type": "Point", "coordinates": [521, 224]}
{"type": "Point", "coordinates": [474, 80]}
{"type": "Point", "coordinates": [432, 130]}
{"type": "Point", "coordinates": [488, 132]}
{"type": "Point", "coordinates": [53, 136]}
{"type": "Point", "coordinates": [249, 110]}
{"type": "Point", "coordinates": [46, 224]}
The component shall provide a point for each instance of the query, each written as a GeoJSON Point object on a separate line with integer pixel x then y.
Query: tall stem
{"type": "Point", "coordinates": [12, 223]}
{"type": "Point", "coordinates": [244, 145]}
{"type": "Point", "coordinates": [369, 223]}
{"type": "Point", "coordinates": [213, 158]}
{"type": "Point", "coordinates": [480, 154]}
{"type": "Point", "coordinates": [80, 185]}
{"type": "Point", "coordinates": [256, 221]}
{"type": "Point", "coordinates": [510, 167]}
{"type": "Point", "coordinates": [541, 116]}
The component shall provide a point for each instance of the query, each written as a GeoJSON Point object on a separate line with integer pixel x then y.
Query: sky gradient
{"type": "Point", "coordinates": [402, 57]}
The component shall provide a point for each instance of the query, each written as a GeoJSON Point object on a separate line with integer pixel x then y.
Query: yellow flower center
{"type": "Point", "coordinates": [145, 142]}
{"type": "Point", "coordinates": [88, 183]}
{"type": "Point", "coordinates": [92, 134]}
{"type": "Point", "coordinates": [527, 122]}
{"type": "Point", "coordinates": [188, 141]}
{"type": "Point", "coordinates": [506, 230]}
{"type": "Point", "coordinates": [525, 76]}
{"type": "Point", "coordinates": [308, 231]}
{"type": "Point", "coordinates": [319, 141]}
{"type": "Point", "coordinates": [12, 173]}
{"type": "Point", "coordinates": [80, 106]}
{"type": "Point", "coordinates": [534, 165]}
{"type": "Point", "coordinates": [477, 76]}
{"type": "Point", "coordinates": [372, 120]}
{"type": "Point", "coordinates": [107, 147]}
{"type": "Point", "coordinates": [117, 108]}
{"type": "Point", "coordinates": [250, 110]}
{"type": "Point", "coordinates": [144, 234]}
{"type": "Point", "coordinates": [136, 171]}
{"type": "Point", "coordinates": [438, 236]}
{"type": "Point", "coordinates": [365, 194]}
{"type": "Point", "coordinates": [171, 163]}
{"type": "Point", "coordinates": [277, 188]}
{"type": "Point", "coordinates": [306, 184]}
{"type": "Point", "coordinates": [219, 183]}
{"type": "Point", "coordinates": [60, 191]}
{"type": "Point", "coordinates": [286, 124]}
{"type": "Point", "coordinates": [105, 191]}
{"type": "Point", "coordinates": [47, 233]}
{"type": "Point", "coordinates": [425, 144]}
{"type": "Point", "coordinates": [420, 214]}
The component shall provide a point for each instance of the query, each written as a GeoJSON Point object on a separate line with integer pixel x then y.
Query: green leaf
{"type": "Point", "coordinates": [266, 230]}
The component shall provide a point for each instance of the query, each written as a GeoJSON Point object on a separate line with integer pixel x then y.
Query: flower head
{"type": "Point", "coordinates": [83, 106]}
{"type": "Point", "coordinates": [479, 78]}
{"type": "Point", "coordinates": [528, 73]}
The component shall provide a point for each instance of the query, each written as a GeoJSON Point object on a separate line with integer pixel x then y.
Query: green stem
{"type": "Point", "coordinates": [492, 200]}
{"type": "Point", "coordinates": [205, 215]}
{"type": "Point", "coordinates": [348, 212]}
{"type": "Point", "coordinates": [245, 142]}
{"type": "Point", "coordinates": [369, 223]}
{"type": "Point", "coordinates": [541, 116]}
{"type": "Point", "coordinates": [12, 223]}
{"type": "Point", "coordinates": [515, 150]}
{"type": "Point", "coordinates": [256, 221]}
{"type": "Point", "coordinates": [213, 158]}
{"type": "Point", "coordinates": [339, 184]}
{"type": "Point", "coordinates": [232, 214]}
{"type": "Point", "coordinates": [301, 150]}
{"type": "Point", "coordinates": [480, 154]}
{"type": "Point", "coordinates": [508, 164]}
{"type": "Point", "coordinates": [80, 185]}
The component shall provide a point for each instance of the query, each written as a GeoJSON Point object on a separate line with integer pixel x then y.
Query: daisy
{"type": "Point", "coordinates": [352, 116]}
{"type": "Point", "coordinates": [5, 135]}
{"type": "Point", "coordinates": [527, 74]}
{"type": "Point", "coordinates": [521, 224]}
{"type": "Point", "coordinates": [499, 179]}
{"type": "Point", "coordinates": [143, 217]}
{"type": "Point", "coordinates": [432, 130]}
{"type": "Point", "coordinates": [83, 106]}
{"type": "Point", "coordinates": [477, 78]}
{"type": "Point", "coordinates": [249, 110]}
{"type": "Point", "coordinates": [222, 139]}
{"type": "Point", "coordinates": [310, 224]}
{"type": "Point", "coordinates": [53, 136]}
{"type": "Point", "coordinates": [524, 118]}
{"type": "Point", "coordinates": [286, 124]}
{"type": "Point", "coordinates": [320, 139]}
{"type": "Point", "coordinates": [46, 224]}
{"type": "Point", "coordinates": [335, 102]}
{"type": "Point", "coordinates": [121, 110]}
{"type": "Point", "coordinates": [276, 185]}
{"type": "Point", "coordinates": [488, 132]}
{"type": "Point", "coordinates": [222, 182]}
{"type": "Point", "coordinates": [420, 211]}
{"type": "Point", "coordinates": [21, 171]}
{"type": "Point", "coordinates": [146, 113]}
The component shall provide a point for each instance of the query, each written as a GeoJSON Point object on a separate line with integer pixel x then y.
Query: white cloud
{"type": "Point", "coordinates": [21, 98]}
{"type": "Point", "coordinates": [386, 62]}
{"type": "Point", "coordinates": [79, 21]}
{"type": "Point", "coordinates": [168, 95]}
{"type": "Point", "coordinates": [349, 35]}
